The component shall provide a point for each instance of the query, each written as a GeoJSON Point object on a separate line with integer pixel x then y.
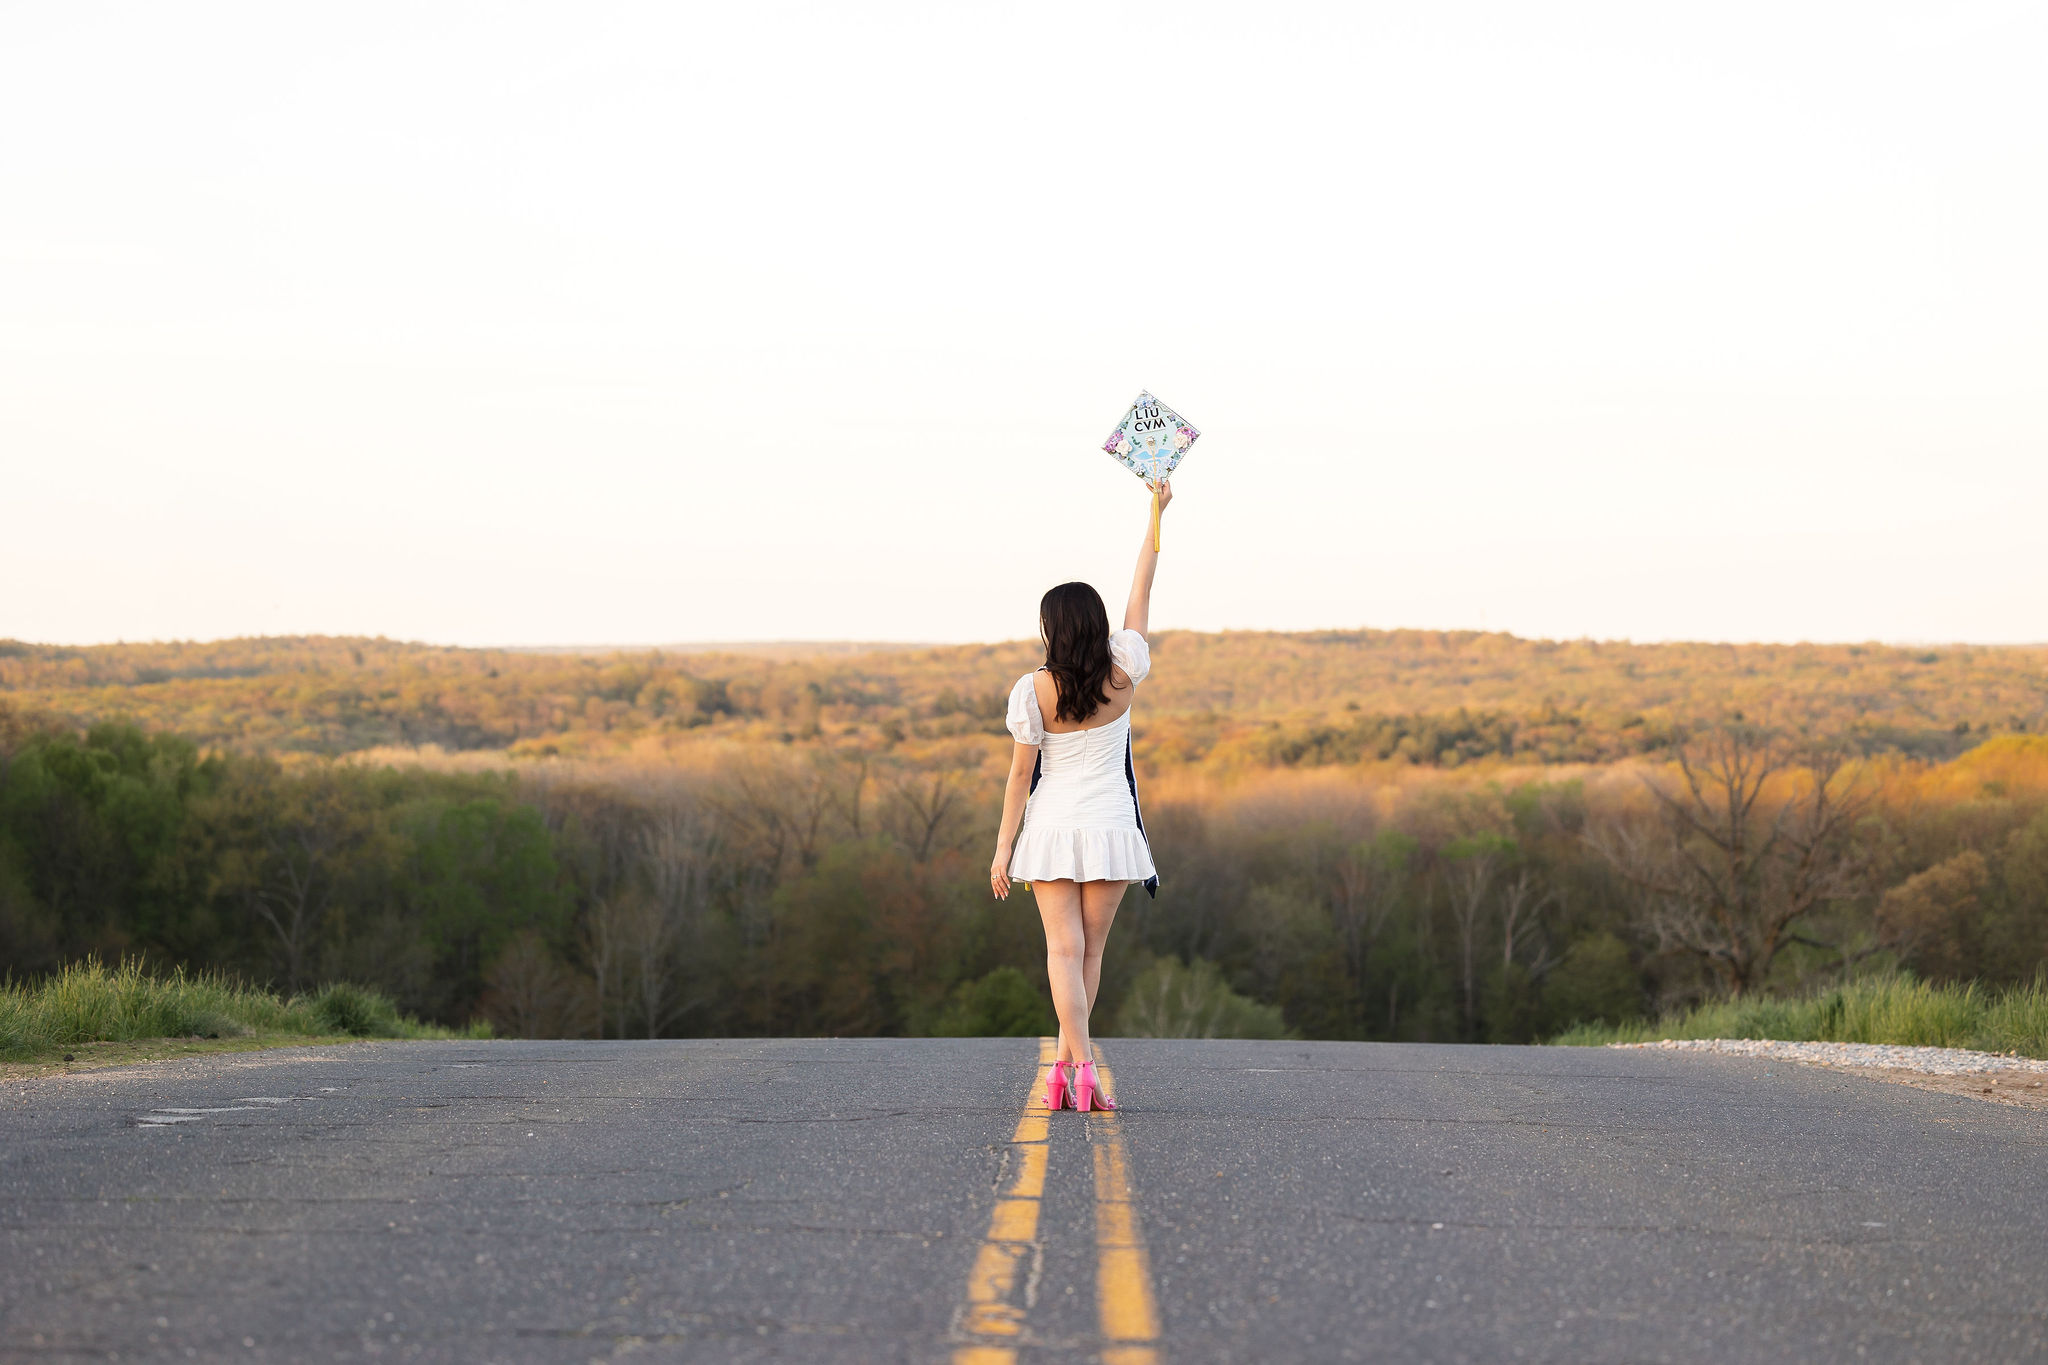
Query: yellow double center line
{"type": "Point", "coordinates": [1124, 1302]}
{"type": "Point", "coordinates": [1127, 1311]}
{"type": "Point", "coordinates": [990, 1316]}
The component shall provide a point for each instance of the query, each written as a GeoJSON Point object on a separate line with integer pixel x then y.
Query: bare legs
{"type": "Point", "coordinates": [1077, 917]}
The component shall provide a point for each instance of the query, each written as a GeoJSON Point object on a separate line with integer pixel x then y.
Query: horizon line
{"type": "Point", "coordinates": [854, 646]}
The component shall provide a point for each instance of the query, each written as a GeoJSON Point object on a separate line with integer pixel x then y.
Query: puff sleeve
{"type": "Point", "coordinates": [1024, 719]}
{"type": "Point", "coordinates": [1128, 651]}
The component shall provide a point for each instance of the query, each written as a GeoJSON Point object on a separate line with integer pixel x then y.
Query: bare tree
{"type": "Point", "coordinates": [927, 796]}
{"type": "Point", "coordinates": [530, 994]}
{"type": "Point", "coordinates": [780, 807]}
{"type": "Point", "coordinates": [1523, 902]}
{"type": "Point", "coordinates": [1371, 878]}
{"type": "Point", "coordinates": [678, 850]}
{"type": "Point", "coordinates": [650, 934]}
{"type": "Point", "coordinates": [1471, 866]}
{"type": "Point", "coordinates": [676, 846]}
{"type": "Point", "coordinates": [846, 772]}
{"type": "Point", "coordinates": [604, 948]}
{"type": "Point", "coordinates": [630, 941]}
{"type": "Point", "coordinates": [1752, 837]}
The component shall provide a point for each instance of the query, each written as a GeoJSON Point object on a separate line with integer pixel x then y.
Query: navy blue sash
{"type": "Point", "coordinates": [1131, 778]}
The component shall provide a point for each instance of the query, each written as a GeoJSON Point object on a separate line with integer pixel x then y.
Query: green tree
{"type": "Point", "coordinates": [90, 829]}
{"type": "Point", "coordinates": [476, 871]}
{"type": "Point", "coordinates": [284, 850]}
{"type": "Point", "coordinates": [863, 943]}
{"type": "Point", "coordinates": [1003, 1004]}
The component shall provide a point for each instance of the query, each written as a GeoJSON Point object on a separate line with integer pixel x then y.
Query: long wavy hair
{"type": "Point", "coordinates": [1075, 628]}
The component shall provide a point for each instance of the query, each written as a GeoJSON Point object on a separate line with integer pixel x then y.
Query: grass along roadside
{"type": "Point", "coordinates": [99, 1014]}
{"type": "Point", "coordinates": [1884, 1009]}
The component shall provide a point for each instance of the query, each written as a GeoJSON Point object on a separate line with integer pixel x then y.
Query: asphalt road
{"type": "Point", "coordinates": [898, 1200]}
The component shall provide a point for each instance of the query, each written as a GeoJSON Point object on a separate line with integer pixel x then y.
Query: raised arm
{"type": "Point", "coordinates": [1138, 611]}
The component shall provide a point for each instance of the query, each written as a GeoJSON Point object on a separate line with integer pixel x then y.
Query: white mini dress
{"type": "Point", "coordinates": [1082, 822]}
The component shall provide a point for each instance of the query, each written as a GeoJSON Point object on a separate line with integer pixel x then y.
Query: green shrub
{"type": "Point", "coordinates": [1169, 1000]}
{"type": "Point", "coordinates": [1003, 1004]}
{"type": "Point", "coordinates": [356, 1011]}
{"type": "Point", "coordinates": [1594, 984]}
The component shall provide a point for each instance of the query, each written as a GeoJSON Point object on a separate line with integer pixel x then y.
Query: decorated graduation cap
{"type": "Point", "coordinates": [1150, 442]}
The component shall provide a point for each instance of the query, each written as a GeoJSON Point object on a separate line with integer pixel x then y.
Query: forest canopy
{"type": "Point", "coordinates": [1232, 700]}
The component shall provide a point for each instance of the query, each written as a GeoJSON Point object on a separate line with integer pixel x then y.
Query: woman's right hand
{"type": "Point", "coordinates": [1164, 488]}
{"type": "Point", "coordinates": [999, 874]}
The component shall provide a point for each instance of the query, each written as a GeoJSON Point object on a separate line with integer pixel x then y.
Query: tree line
{"type": "Point", "coordinates": [841, 889]}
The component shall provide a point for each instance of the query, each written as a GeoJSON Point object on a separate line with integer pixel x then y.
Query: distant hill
{"type": "Point", "coordinates": [1229, 698]}
{"type": "Point", "coordinates": [744, 649]}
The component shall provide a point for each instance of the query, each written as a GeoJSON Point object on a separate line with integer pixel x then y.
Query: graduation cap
{"type": "Point", "coordinates": [1149, 442]}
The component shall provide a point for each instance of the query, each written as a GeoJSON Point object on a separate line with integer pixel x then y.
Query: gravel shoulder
{"type": "Point", "coordinates": [2028, 1094]}
{"type": "Point", "coordinates": [1995, 1077]}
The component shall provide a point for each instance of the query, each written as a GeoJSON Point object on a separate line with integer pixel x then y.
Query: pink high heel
{"type": "Point", "coordinates": [1088, 1094]}
{"type": "Point", "coordinates": [1057, 1086]}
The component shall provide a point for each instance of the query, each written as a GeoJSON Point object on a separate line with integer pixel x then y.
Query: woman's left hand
{"type": "Point", "coordinates": [1164, 488]}
{"type": "Point", "coordinates": [999, 874]}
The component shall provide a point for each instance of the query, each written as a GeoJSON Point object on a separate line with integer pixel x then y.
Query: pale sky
{"type": "Point", "coordinates": [618, 324]}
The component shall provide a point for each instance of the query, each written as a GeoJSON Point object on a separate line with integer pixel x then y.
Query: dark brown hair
{"type": "Point", "coordinates": [1075, 629]}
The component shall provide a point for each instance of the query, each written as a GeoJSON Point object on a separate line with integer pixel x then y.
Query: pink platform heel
{"type": "Point", "coordinates": [1057, 1086]}
{"type": "Point", "coordinates": [1088, 1094]}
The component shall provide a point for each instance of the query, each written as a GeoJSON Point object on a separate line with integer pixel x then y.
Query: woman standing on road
{"type": "Point", "coordinates": [1071, 827]}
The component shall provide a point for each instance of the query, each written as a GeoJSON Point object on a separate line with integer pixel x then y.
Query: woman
{"type": "Point", "coordinates": [1071, 826]}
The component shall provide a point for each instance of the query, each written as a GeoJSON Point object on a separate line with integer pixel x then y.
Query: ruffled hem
{"type": "Point", "coordinates": [1081, 855]}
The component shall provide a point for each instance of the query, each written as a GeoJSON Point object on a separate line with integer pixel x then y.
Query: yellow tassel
{"type": "Point", "coordinates": [1155, 521]}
